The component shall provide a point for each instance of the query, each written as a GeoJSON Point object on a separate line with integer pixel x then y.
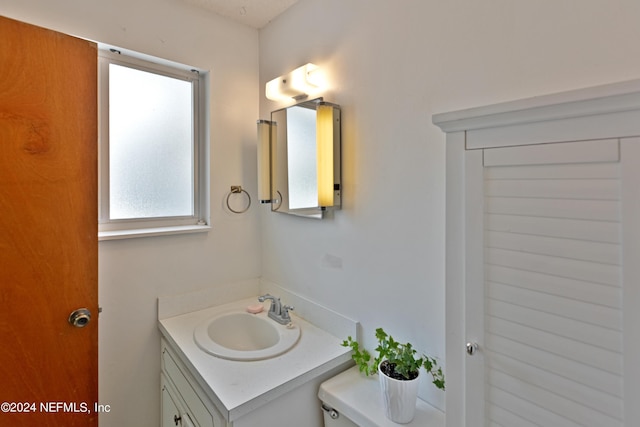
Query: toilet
{"type": "Point", "coordinates": [351, 399]}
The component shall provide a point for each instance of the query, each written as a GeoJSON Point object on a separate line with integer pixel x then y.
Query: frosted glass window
{"type": "Point", "coordinates": [303, 179]}
{"type": "Point", "coordinates": [151, 148]}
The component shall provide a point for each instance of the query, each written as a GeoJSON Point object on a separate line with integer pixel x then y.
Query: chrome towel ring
{"type": "Point", "coordinates": [235, 189]}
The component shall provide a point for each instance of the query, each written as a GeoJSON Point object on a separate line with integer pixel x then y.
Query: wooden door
{"type": "Point", "coordinates": [48, 227]}
{"type": "Point", "coordinates": [546, 296]}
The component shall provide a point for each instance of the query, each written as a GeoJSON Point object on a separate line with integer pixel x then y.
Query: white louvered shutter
{"type": "Point", "coordinates": [553, 345]}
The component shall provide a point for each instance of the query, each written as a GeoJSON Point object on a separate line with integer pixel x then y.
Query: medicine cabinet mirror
{"type": "Point", "coordinates": [294, 175]}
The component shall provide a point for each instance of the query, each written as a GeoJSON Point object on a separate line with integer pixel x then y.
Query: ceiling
{"type": "Point", "coordinates": [254, 13]}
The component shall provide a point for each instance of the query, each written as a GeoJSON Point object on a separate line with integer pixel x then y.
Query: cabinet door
{"type": "Point", "coordinates": [199, 410]}
{"type": "Point", "coordinates": [544, 287]}
{"type": "Point", "coordinates": [172, 413]}
{"type": "Point", "coordinates": [170, 416]}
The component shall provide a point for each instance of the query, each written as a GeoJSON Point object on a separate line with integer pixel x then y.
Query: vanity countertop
{"type": "Point", "coordinates": [239, 387]}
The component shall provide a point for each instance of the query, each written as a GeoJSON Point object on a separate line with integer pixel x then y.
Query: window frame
{"type": "Point", "coordinates": [109, 229]}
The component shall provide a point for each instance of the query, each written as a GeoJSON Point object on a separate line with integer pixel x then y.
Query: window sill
{"type": "Point", "coordinates": [150, 232]}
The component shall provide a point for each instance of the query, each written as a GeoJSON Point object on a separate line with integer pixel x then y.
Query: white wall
{"type": "Point", "coordinates": [392, 64]}
{"type": "Point", "coordinates": [133, 273]}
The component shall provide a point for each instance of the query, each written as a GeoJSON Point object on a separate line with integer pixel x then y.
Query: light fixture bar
{"type": "Point", "coordinates": [297, 84]}
{"type": "Point", "coordinates": [264, 160]}
{"type": "Point", "coordinates": [324, 146]}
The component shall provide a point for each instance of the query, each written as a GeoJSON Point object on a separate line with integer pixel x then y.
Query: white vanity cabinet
{"type": "Point", "coordinates": [184, 403]}
{"type": "Point", "coordinates": [543, 244]}
{"type": "Point", "coordinates": [202, 390]}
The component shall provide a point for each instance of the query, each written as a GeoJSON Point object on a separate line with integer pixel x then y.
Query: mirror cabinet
{"type": "Point", "coordinates": [297, 136]}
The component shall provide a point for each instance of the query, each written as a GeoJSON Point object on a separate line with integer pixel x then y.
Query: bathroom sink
{"type": "Point", "coordinates": [244, 336]}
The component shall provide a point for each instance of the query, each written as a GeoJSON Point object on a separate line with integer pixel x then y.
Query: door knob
{"type": "Point", "coordinates": [472, 348]}
{"type": "Point", "coordinates": [80, 317]}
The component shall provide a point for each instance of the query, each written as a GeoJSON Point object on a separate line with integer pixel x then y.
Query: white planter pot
{"type": "Point", "coordinates": [399, 397]}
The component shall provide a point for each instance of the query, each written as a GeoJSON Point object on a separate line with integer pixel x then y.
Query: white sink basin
{"type": "Point", "coordinates": [244, 336]}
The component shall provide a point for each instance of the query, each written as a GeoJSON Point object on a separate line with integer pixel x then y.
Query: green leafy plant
{"type": "Point", "coordinates": [398, 360]}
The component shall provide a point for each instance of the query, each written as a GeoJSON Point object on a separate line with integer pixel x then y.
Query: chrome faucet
{"type": "Point", "coordinates": [275, 307]}
{"type": "Point", "coordinates": [277, 311]}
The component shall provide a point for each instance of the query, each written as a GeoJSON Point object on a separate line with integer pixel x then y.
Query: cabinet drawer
{"type": "Point", "coordinates": [200, 413]}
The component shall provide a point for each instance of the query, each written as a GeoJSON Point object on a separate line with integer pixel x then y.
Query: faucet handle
{"type": "Point", "coordinates": [285, 311]}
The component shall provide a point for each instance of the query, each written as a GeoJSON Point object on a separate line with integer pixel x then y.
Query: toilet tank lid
{"type": "Point", "coordinates": [357, 397]}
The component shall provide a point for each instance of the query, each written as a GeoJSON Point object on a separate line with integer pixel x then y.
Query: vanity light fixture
{"type": "Point", "coordinates": [266, 132]}
{"type": "Point", "coordinates": [327, 123]}
{"type": "Point", "coordinates": [297, 84]}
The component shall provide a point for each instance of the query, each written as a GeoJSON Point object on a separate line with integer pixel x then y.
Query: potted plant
{"type": "Point", "coordinates": [398, 367]}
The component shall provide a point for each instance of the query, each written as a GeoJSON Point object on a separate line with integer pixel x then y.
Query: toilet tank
{"type": "Point", "coordinates": [333, 418]}
{"type": "Point", "coordinates": [351, 399]}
